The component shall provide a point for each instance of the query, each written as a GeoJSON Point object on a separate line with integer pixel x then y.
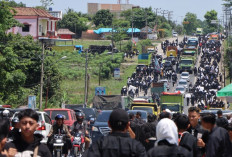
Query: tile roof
{"type": "Point", "coordinates": [28, 11]}
{"type": "Point", "coordinates": [65, 31]}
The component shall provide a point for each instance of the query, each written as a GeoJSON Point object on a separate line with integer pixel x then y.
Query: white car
{"type": "Point", "coordinates": [181, 89]}
{"type": "Point", "coordinates": [184, 83]}
{"type": "Point", "coordinates": [174, 34]}
{"type": "Point", "coordinates": [185, 76]}
{"type": "Point", "coordinates": [45, 124]}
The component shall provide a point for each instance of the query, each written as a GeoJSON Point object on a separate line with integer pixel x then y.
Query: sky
{"type": "Point", "coordinates": [179, 7]}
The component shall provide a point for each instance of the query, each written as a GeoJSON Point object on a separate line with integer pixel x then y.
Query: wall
{"type": "Point", "coordinates": [93, 8]}
{"type": "Point", "coordinates": [65, 36]}
{"type": "Point", "coordinates": [43, 27]}
{"type": "Point", "coordinates": [33, 28]}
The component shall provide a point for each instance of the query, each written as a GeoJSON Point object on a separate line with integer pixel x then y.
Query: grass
{"type": "Point", "coordinates": [75, 88]}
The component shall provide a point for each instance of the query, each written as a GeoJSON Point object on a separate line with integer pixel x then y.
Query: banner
{"type": "Point", "coordinates": [100, 91]}
{"type": "Point", "coordinates": [117, 73]}
{"type": "Point", "coordinates": [31, 102]}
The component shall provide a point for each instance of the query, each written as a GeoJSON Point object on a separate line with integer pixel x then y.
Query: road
{"type": "Point", "coordinates": [172, 88]}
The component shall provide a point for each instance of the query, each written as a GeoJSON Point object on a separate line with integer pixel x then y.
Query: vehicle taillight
{"type": "Point", "coordinates": [42, 128]}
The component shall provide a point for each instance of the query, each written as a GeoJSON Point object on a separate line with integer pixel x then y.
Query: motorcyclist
{"type": "Point", "coordinates": [15, 127]}
{"type": "Point", "coordinates": [60, 128]}
{"type": "Point", "coordinates": [81, 125]}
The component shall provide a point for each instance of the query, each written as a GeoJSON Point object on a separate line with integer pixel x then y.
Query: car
{"type": "Point", "coordinates": [174, 34]}
{"type": "Point", "coordinates": [184, 83]}
{"type": "Point", "coordinates": [181, 89]}
{"type": "Point", "coordinates": [185, 76]}
{"type": "Point", "coordinates": [69, 115]}
{"type": "Point", "coordinates": [100, 127]}
{"type": "Point", "coordinates": [144, 114]}
{"type": "Point", "coordinates": [45, 125]}
{"type": "Point", "coordinates": [168, 65]}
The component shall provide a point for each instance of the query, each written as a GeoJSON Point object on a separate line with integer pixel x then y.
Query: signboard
{"type": "Point", "coordinates": [186, 22]}
{"type": "Point", "coordinates": [31, 101]}
{"type": "Point", "coordinates": [100, 91]}
{"type": "Point", "coordinates": [117, 73]}
{"type": "Point", "coordinates": [214, 21]}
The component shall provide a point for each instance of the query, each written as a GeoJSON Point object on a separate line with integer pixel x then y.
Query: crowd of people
{"type": "Point", "coordinates": [208, 76]}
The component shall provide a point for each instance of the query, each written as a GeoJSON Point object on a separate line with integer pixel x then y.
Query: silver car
{"type": "Point", "coordinates": [184, 83]}
{"type": "Point", "coordinates": [185, 76]}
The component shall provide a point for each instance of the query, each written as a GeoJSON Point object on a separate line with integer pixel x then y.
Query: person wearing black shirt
{"type": "Point", "coordinates": [219, 144]}
{"type": "Point", "coordinates": [221, 121]}
{"type": "Point", "coordinates": [196, 130]}
{"type": "Point", "coordinates": [118, 142]}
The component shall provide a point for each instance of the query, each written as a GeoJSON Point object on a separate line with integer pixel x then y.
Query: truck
{"type": "Point", "coordinates": [144, 58]}
{"type": "Point", "coordinates": [199, 31]}
{"type": "Point", "coordinates": [111, 102]}
{"type": "Point", "coordinates": [171, 50]}
{"type": "Point", "coordinates": [190, 52]}
{"type": "Point", "coordinates": [158, 88]}
{"type": "Point", "coordinates": [172, 101]}
{"type": "Point", "coordinates": [151, 108]}
{"type": "Point", "coordinates": [192, 41]}
{"type": "Point", "coordinates": [148, 49]}
{"type": "Point", "coordinates": [186, 64]}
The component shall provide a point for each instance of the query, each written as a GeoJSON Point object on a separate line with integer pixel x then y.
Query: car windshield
{"type": "Point", "coordinates": [88, 112]}
{"type": "Point", "coordinates": [143, 116]}
{"type": "Point", "coordinates": [149, 110]}
{"type": "Point", "coordinates": [64, 113]}
{"type": "Point", "coordinates": [174, 108]}
{"type": "Point", "coordinates": [179, 89]}
{"type": "Point", "coordinates": [182, 83]}
{"type": "Point", "coordinates": [184, 74]}
{"type": "Point", "coordinates": [103, 117]}
{"type": "Point", "coordinates": [186, 62]}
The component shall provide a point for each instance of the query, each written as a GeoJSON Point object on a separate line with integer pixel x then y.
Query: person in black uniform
{"type": "Point", "coordinates": [118, 142]}
{"type": "Point", "coordinates": [221, 121]}
{"type": "Point", "coordinates": [196, 130]}
{"type": "Point", "coordinates": [219, 144]}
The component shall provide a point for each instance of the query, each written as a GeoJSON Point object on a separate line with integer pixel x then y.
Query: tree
{"type": "Point", "coordinates": [209, 16]}
{"type": "Point", "coordinates": [103, 18]}
{"type": "Point", "coordinates": [74, 22]}
{"type": "Point", "coordinates": [46, 3]}
{"type": "Point", "coordinates": [190, 23]}
{"type": "Point", "coordinates": [12, 3]}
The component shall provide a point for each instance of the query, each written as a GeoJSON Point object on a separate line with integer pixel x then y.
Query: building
{"type": "Point", "coordinates": [65, 34]}
{"type": "Point", "coordinates": [57, 14]}
{"type": "Point", "coordinates": [114, 8]}
{"type": "Point", "coordinates": [37, 23]}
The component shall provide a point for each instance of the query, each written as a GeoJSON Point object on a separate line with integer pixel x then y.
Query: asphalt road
{"type": "Point", "coordinates": [172, 88]}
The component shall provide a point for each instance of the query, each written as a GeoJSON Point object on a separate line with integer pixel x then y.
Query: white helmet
{"type": "Point", "coordinates": [6, 113]}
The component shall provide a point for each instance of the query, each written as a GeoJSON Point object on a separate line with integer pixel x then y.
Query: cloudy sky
{"type": "Point", "coordinates": [179, 7]}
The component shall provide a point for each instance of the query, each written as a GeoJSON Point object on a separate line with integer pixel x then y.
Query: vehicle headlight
{"type": "Point", "coordinates": [94, 128]}
{"type": "Point", "coordinates": [77, 139]}
{"type": "Point", "coordinates": [58, 141]}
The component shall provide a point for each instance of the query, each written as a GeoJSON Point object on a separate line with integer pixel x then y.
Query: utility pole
{"type": "Point", "coordinates": [41, 79]}
{"type": "Point", "coordinates": [156, 11]}
{"type": "Point", "coordinates": [132, 36]}
{"type": "Point", "coordinates": [146, 25]}
{"type": "Point", "coordinates": [86, 77]}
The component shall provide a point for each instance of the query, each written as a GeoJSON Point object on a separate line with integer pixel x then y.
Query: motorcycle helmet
{"type": "Point", "coordinates": [14, 121]}
{"type": "Point", "coordinates": [59, 116]}
{"type": "Point", "coordinates": [6, 113]}
{"type": "Point", "coordinates": [80, 116]}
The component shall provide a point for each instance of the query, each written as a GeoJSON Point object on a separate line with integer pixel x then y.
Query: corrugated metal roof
{"type": "Point", "coordinates": [65, 31]}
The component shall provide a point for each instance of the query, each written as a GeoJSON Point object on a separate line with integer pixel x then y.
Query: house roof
{"type": "Point", "coordinates": [65, 31]}
{"type": "Point", "coordinates": [28, 11]}
{"type": "Point", "coordinates": [108, 30]}
{"type": "Point", "coordinates": [145, 29]}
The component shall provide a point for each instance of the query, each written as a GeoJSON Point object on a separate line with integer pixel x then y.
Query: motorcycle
{"type": "Point", "coordinates": [78, 143]}
{"type": "Point", "coordinates": [58, 144]}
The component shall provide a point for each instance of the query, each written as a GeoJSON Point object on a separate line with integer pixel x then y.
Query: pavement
{"type": "Point", "coordinates": [172, 88]}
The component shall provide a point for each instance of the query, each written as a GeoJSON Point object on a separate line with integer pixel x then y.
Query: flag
{"type": "Point", "coordinates": [157, 66]}
{"type": "Point", "coordinates": [154, 30]}
{"type": "Point", "coordinates": [134, 42]}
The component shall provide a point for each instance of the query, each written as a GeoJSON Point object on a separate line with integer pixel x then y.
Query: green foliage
{"type": "Point", "coordinates": [46, 3]}
{"type": "Point", "coordinates": [139, 17]}
{"type": "Point", "coordinates": [74, 22]}
{"type": "Point", "coordinates": [191, 27]}
{"type": "Point", "coordinates": [228, 61]}
{"type": "Point", "coordinates": [12, 3]}
{"type": "Point", "coordinates": [103, 18]}
{"type": "Point", "coordinates": [228, 3]}
{"type": "Point", "coordinates": [210, 15]}
{"type": "Point", "coordinates": [179, 29]}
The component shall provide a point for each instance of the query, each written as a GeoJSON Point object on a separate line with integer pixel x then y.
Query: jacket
{"type": "Point", "coordinates": [116, 145]}
{"type": "Point", "coordinates": [63, 130]}
{"type": "Point", "coordinates": [165, 149]}
{"type": "Point", "coordinates": [27, 150]}
{"type": "Point", "coordinates": [222, 122]}
{"type": "Point", "coordinates": [189, 142]}
{"type": "Point", "coordinates": [198, 132]}
{"type": "Point", "coordinates": [219, 144]}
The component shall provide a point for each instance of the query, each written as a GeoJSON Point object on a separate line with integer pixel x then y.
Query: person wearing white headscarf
{"type": "Point", "coordinates": [167, 141]}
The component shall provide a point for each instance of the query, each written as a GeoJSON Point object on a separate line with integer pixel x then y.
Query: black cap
{"type": "Point", "coordinates": [119, 115]}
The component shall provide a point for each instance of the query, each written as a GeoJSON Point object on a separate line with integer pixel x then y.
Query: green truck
{"type": "Point", "coordinates": [172, 101]}
{"type": "Point", "coordinates": [199, 31]}
{"type": "Point", "coordinates": [144, 58]}
{"type": "Point", "coordinates": [186, 64]}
